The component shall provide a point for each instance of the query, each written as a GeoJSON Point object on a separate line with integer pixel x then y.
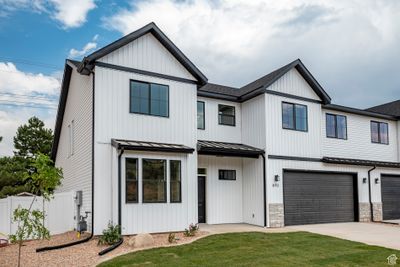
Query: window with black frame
{"type": "Point", "coordinates": [154, 180]}
{"type": "Point", "coordinates": [149, 98]}
{"type": "Point", "coordinates": [294, 117]}
{"type": "Point", "coordinates": [227, 175]}
{"type": "Point", "coordinates": [175, 181]}
{"type": "Point", "coordinates": [131, 180]}
{"type": "Point", "coordinates": [336, 126]}
{"type": "Point", "coordinates": [201, 115]}
{"type": "Point", "coordinates": [226, 115]}
{"type": "Point", "coordinates": [379, 132]}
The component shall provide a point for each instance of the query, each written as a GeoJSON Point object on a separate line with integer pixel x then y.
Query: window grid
{"type": "Point", "coordinates": [222, 115]}
{"type": "Point", "coordinates": [147, 99]}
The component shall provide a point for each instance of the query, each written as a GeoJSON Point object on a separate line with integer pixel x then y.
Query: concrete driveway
{"type": "Point", "coordinates": [379, 234]}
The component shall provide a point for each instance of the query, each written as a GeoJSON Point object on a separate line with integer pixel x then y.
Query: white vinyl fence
{"type": "Point", "coordinates": [59, 212]}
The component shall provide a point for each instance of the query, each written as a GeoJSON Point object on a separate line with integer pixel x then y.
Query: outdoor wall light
{"type": "Point", "coordinates": [276, 178]}
{"type": "Point", "coordinates": [364, 180]}
{"type": "Point", "coordinates": [376, 180]}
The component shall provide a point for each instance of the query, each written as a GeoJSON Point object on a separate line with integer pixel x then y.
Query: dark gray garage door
{"type": "Point", "coordinates": [391, 197]}
{"type": "Point", "coordinates": [311, 197]}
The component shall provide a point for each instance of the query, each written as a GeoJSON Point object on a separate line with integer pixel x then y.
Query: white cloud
{"type": "Point", "coordinates": [349, 45]}
{"type": "Point", "coordinates": [89, 47]}
{"type": "Point", "coordinates": [70, 13]}
{"type": "Point", "coordinates": [23, 95]}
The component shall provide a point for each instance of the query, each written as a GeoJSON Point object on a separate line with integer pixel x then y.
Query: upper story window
{"type": "Point", "coordinates": [379, 132]}
{"type": "Point", "coordinates": [336, 126]}
{"type": "Point", "coordinates": [226, 115]}
{"type": "Point", "coordinates": [201, 115]}
{"type": "Point", "coordinates": [294, 116]}
{"type": "Point", "coordinates": [149, 98]}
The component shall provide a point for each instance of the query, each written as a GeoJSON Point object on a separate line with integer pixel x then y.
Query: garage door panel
{"type": "Point", "coordinates": [390, 187]}
{"type": "Point", "coordinates": [318, 198]}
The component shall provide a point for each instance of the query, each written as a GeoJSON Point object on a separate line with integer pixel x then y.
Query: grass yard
{"type": "Point", "coordinates": [261, 249]}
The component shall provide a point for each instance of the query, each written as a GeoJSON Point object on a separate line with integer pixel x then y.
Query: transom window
{"type": "Point", "coordinates": [226, 115]}
{"type": "Point", "coordinates": [227, 174]}
{"type": "Point", "coordinates": [149, 98]}
{"type": "Point", "coordinates": [379, 132]}
{"type": "Point", "coordinates": [336, 126]}
{"type": "Point", "coordinates": [154, 173]}
{"type": "Point", "coordinates": [294, 116]}
{"type": "Point", "coordinates": [131, 183]}
{"type": "Point", "coordinates": [201, 115]}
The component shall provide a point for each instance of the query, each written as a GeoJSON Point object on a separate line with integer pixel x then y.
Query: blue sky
{"type": "Point", "coordinates": [351, 46]}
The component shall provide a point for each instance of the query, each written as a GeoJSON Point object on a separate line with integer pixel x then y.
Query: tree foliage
{"type": "Point", "coordinates": [12, 172]}
{"type": "Point", "coordinates": [33, 138]}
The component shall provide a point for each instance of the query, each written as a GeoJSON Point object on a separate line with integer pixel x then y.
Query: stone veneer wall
{"type": "Point", "coordinates": [276, 216]}
{"type": "Point", "coordinates": [364, 212]}
{"type": "Point", "coordinates": [377, 211]}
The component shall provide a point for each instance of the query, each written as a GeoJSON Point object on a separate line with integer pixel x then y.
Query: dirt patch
{"type": "Point", "coordinates": [85, 254]}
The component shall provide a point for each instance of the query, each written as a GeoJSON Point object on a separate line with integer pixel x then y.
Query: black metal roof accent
{"type": "Point", "coordinates": [360, 112]}
{"type": "Point", "coordinates": [391, 108]}
{"type": "Point", "coordinates": [227, 149]}
{"type": "Point", "coordinates": [150, 146]}
{"type": "Point", "coordinates": [88, 61]}
{"type": "Point", "coordinates": [260, 85]}
{"type": "Point", "coordinates": [361, 162]}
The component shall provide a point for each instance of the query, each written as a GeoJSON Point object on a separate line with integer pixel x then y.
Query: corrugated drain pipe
{"type": "Point", "coordinates": [369, 194]}
{"type": "Point", "coordinates": [91, 234]}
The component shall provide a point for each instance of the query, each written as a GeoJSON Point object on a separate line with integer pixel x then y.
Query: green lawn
{"type": "Point", "coordinates": [260, 249]}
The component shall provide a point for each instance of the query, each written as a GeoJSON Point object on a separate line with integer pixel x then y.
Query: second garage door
{"type": "Point", "coordinates": [313, 197]}
{"type": "Point", "coordinates": [391, 197]}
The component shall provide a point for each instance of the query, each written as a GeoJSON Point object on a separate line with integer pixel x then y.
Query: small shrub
{"type": "Point", "coordinates": [110, 235]}
{"type": "Point", "coordinates": [171, 238]}
{"type": "Point", "coordinates": [193, 228]}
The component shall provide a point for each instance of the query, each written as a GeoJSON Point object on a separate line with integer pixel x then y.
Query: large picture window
{"type": "Point", "coordinates": [149, 98]}
{"type": "Point", "coordinates": [200, 115]}
{"type": "Point", "coordinates": [226, 115]}
{"type": "Point", "coordinates": [294, 117]}
{"type": "Point", "coordinates": [379, 132]}
{"type": "Point", "coordinates": [154, 180]}
{"type": "Point", "coordinates": [175, 180]}
{"type": "Point", "coordinates": [131, 180]}
{"type": "Point", "coordinates": [336, 126]}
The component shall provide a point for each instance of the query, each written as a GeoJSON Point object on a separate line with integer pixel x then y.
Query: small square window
{"type": "Point", "coordinates": [227, 174]}
{"type": "Point", "coordinates": [226, 115]}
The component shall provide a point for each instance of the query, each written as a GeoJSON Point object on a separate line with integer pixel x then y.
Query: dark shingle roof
{"type": "Point", "coordinates": [220, 89]}
{"type": "Point", "coordinates": [74, 62]}
{"type": "Point", "coordinates": [391, 108]}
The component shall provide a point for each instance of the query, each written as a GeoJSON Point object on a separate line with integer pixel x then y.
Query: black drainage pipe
{"type": "Point", "coordinates": [369, 190]}
{"type": "Point", "coordinates": [112, 247]}
{"type": "Point", "coordinates": [91, 234]}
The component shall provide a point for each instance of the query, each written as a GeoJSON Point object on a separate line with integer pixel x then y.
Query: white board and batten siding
{"type": "Point", "coordinates": [213, 130]}
{"type": "Point", "coordinates": [77, 166]}
{"type": "Point", "coordinates": [113, 120]}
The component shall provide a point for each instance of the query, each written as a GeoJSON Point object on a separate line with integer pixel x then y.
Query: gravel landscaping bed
{"type": "Point", "coordinates": [80, 255]}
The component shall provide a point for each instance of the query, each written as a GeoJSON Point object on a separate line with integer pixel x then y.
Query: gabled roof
{"type": "Point", "coordinates": [260, 85]}
{"type": "Point", "coordinates": [88, 61]}
{"type": "Point", "coordinates": [391, 108]}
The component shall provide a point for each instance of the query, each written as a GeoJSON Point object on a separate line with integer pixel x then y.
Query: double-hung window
{"type": "Point", "coordinates": [201, 115]}
{"type": "Point", "coordinates": [379, 132]}
{"type": "Point", "coordinates": [154, 175]}
{"type": "Point", "coordinates": [149, 98]}
{"type": "Point", "coordinates": [226, 115]}
{"type": "Point", "coordinates": [336, 126]}
{"type": "Point", "coordinates": [294, 117]}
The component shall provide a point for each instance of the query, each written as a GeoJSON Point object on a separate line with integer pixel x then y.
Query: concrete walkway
{"type": "Point", "coordinates": [379, 234]}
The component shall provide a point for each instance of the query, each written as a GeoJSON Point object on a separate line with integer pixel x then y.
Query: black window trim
{"type": "Point", "coordinates": [165, 182]}
{"type": "Point", "coordinates": [204, 115]}
{"type": "Point", "coordinates": [180, 182]}
{"type": "Point", "coordinates": [142, 113]}
{"type": "Point", "coordinates": [379, 132]}
{"type": "Point", "coordinates": [336, 126]}
{"type": "Point", "coordinates": [137, 182]}
{"type": "Point", "coordinates": [294, 117]}
{"type": "Point", "coordinates": [234, 115]}
{"type": "Point", "coordinates": [224, 170]}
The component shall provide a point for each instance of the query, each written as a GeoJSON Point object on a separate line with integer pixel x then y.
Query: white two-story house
{"type": "Point", "coordinates": [154, 147]}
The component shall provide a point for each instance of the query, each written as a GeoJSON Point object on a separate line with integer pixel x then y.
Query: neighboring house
{"type": "Point", "coordinates": [164, 148]}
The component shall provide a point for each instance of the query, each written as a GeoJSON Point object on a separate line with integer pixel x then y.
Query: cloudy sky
{"type": "Point", "coordinates": [351, 46]}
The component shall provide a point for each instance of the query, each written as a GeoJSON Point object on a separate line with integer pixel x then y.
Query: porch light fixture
{"type": "Point", "coordinates": [364, 180]}
{"type": "Point", "coordinates": [376, 180]}
{"type": "Point", "coordinates": [277, 178]}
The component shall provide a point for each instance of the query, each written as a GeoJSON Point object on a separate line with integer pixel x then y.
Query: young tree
{"type": "Point", "coordinates": [43, 180]}
{"type": "Point", "coordinates": [33, 138]}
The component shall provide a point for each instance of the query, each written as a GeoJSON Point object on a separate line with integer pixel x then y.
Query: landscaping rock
{"type": "Point", "coordinates": [141, 241]}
